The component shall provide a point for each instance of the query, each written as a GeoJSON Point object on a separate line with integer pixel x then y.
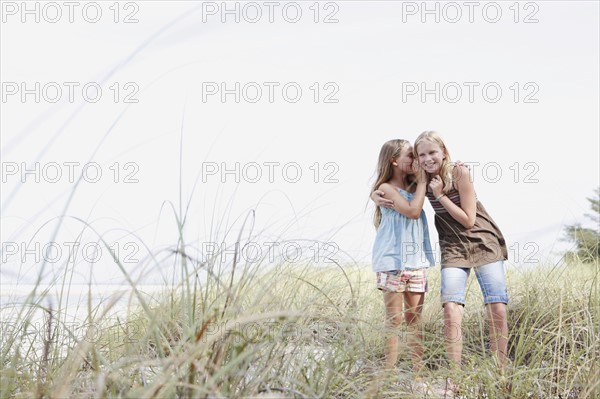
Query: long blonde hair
{"type": "Point", "coordinates": [390, 150]}
{"type": "Point", "coordinates": [445, 168]}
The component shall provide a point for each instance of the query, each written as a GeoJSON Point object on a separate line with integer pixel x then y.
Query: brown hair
{"type": "Point", "coordinates": [389, 151]}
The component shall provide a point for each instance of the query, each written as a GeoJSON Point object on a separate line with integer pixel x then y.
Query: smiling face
{"type": "Point", "coordinates": [431, 156]}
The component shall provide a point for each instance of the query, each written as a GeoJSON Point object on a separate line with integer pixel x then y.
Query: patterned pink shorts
{"type": "Point", "coordinates": [402, 280]}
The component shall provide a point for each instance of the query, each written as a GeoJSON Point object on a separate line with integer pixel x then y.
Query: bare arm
{"type": "Point", "coordinates": [465, 213]}
{"type": "Point", "coordinates": [410, 209]}
{"type": "Point", "coordinates": [377, 197]}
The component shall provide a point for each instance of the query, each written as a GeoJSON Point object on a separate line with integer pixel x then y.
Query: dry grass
{"type": "Point", "coordinates": [305, 331]}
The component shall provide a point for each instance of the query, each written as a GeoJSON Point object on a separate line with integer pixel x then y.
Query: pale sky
{"type": "Point", "coordinates": [305, 164]}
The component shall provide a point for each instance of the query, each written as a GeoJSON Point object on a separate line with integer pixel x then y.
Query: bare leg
{"type": "Point", "coordinates": [453, 313]}
{"type": "Point", "coordinates": [412, 313]}
{"type": "Point", "coordinates": [497, 319]}
{"type": "Point", "coordinates": [393, 320]}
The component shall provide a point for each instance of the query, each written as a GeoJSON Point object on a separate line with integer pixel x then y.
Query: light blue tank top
{"type": "Point", "coordinates": [401, 243]}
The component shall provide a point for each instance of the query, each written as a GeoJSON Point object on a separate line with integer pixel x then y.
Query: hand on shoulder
{"type": "Point", "coordinates": [387, 189]}
{"type": "Point", "coordinates": [378, 197]}
{"type": "Point", "coordinates": [460, 172]}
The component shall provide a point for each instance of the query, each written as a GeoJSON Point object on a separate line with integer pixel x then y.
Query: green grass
{"type": "Point", "coordinates": [300, 330]}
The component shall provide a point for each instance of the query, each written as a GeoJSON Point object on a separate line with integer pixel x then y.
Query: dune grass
{"type": "Point", "coordinates": [301, 330]}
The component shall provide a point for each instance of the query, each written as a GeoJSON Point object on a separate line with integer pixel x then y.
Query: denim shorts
{"type": "Point", "coordinates": [491, 281]}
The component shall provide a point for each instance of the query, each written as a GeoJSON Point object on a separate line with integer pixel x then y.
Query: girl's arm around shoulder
{"type": "Point", "coordinates": [411, 209]}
